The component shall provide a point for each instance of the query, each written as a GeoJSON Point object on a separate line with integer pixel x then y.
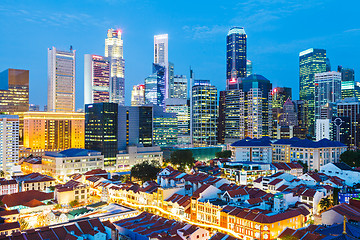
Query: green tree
{"type": "Point", "coordinates": [23, 224]}
{"type": "Point", "coordinates": [182, 159]}
{"type": "Point", "coordinates": [351, 158]}
{"type": "Point", "coordinates": [2, 174]}
{"type": "Point", "coordinates": [304, 165]}
{"type": "Point", "coordinates": [325, 203]}
{"type": "Point", "coordinates": [335, 198]}
{"type": "Point", "coordinates": [74, 203]}
{"type": "Point", "coordinates": [145, 171]}
{"type": "Point", "coordinates": [223, 154]}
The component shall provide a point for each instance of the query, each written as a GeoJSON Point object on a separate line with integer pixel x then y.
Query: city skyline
{"type": "Point", "coordinates": [274, 41]}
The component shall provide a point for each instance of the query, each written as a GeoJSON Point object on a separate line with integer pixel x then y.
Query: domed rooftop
{"type": "Point", "coordinates": [256, 77]}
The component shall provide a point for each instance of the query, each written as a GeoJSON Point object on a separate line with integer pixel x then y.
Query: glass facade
{"type": "Point", "coordinates": [14, 90]}
{"type": "Point", "coordinates": [204, 114]}
{"type": "Point", "coordinates": [179, 87]}
{"type": "Point", "coordinates": [311, 61]}
{"type": "Point", "coordinates": [61, 80]}
{"type": "Point", "coordinates": [161, 58]}
{"type": "Point", "coordinates": [114, 51]}
{"type": "Point", "coordinates": [155, 86]}
{"type": "Point", "coordinates": [146, 126]}
{"type": "Point", "coordinates": [138, 95]}
{"type": "Point", "coordinates": [181, 108]}
{"type": "Point", "coordinates": [280, 95]}
{"type": "Point", "coordinates": [236, 53]}
{"type": "Point", "coordinates": [101, 130]}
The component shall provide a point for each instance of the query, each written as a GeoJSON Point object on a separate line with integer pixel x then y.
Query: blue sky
{"type": "Point", "coordinates": [277, 31]}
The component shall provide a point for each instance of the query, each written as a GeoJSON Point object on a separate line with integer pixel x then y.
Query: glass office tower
{"type": "Point", "coordinates": [101, 130]}
{"type": "Point", "coordinates": [14, 90]}
{"type": "Point", "coordinates": [236, 53]}
{"type": "Point", "coordinates": [311, 61]}
{"type": "Point", "coordinates": [279, 96]}
{"type": "Point", "coordinates": [155, 86]}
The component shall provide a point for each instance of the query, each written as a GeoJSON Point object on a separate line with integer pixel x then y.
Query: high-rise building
{"type": "Point", "coordinates": [311, 61]}
{"type": "Point", "coordinates": [328, 65]}
{"type": "Point", "coordinates": [302, 112]}
{"type": "Point", "coordinates": [350, 107]}
{"type": "Point", "coordinates": [114, 51]}
{"type": "Point", "coordinates": [221, 117]}
{"type": "Point", "coordinates": [288, 116]}
{"type": "Point", "coordinates": [51, 131]}
{"type": "Point", "coordinates": [340, 130]}
{"type": "Point", "coordinates": [236, 53]}
{"type": "Point", "coordinates": [101, 131]}
{"type": "Point", "coordinates": [34, 108]}
{"type": "Point", "coordinates": [96, 79]}
{"type": "Point", "coordinates": [349, 87]}
{"type": "Point", "coordinates": [248, 109]}
{"type": "Point", "coordinates": [9, 142]}
{"type": "Point", "coordinates": [165, 128]}
{"type": "Point", "coordinates": [135, 126]}
{"type": "Point", "coordinates": [327, 90]}
{"type": "Point", "coordinates": [279, 96]}
{"type": "Point", "coordinates": [14, 90]}
{"type": "Point", "coordinates": [138, 95]}
{"type": "Point", "coordinates": [180, 107]}
{"type": "Point", "coordinates": [161, 57]}
{"type": "Point", "coordinates": [249, 68]}
{"type": "Point", "coordinates": [171, 78]}
{"type": "Point", "coordinates": [178, 89]}
{"type": "Point", "coordinates": [61, 80]}
{"type": "Point", "coordinates": [155, 86]}
{"type": "Point", "coordinates": [203, 113]}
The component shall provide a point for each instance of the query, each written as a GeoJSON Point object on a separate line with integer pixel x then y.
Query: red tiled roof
{"type": "Point", "coordinates": [258, 180]}
{"type": "Point", "coordinates": [275, 181]}
{"type": "Point", "coordinates": [254, 201]}
{"type": "Point", "coordinates": [237, 192]}
{"type": "Point", "coordinates": [351, 212]}
{"type": "Point", "coordinates": [4, 182]}
{"type": "Point", "coordinates": [9, 226]}
{"type": "Point", "coordinates": [21, 198]}
{"type": "Point", "coordinates": [5, 213]}
{"type": "Point", "coordinates": [196, 194]}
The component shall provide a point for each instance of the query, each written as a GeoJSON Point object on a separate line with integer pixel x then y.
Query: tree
{"type": "Point", "coordinates": [74, 203]}
{"type": "Point", "coordinates": [23, 224]}
{"type": "Point", "coordinates": [2, 174]}
{"type": "Point", "coordinates": [223, 154]}
{"type": "Point", "coordinates": [304, 165]}
{"type": "Point", "coordinates": [325, 203]}
{"type": "Point", "coordinates": [145, 171]}
{"type": "Point", "coordinates": [351, 158]}
{"type": "Point", "coordinates": [52, 188]}
{"type": "Point", "coordinates": [182, 159]}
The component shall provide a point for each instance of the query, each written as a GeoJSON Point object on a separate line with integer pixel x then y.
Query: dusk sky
{"type": "Point", "coordinates": [277, 31]}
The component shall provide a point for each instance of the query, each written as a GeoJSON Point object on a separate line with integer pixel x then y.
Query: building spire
{"type": "Point", "coordinates": [344, 231]}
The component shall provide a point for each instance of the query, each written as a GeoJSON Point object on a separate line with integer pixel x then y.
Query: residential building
{"type": "Point", "coordinates": [8, 187]}
{"type": "Point", "coordinates": [138, 95]}
{"type": "Point", "coordinates": [71, 161]}
{"type": "Point", "coordinates": [34, 181]}
{"type": "Point", "coordinates": [323, 129]}
{"type": "Point", "coordinates": [180, 107]}
{"type": "Point", "coordinates": [155, 88]}
{"type": "Point", "coordinates": [350, 107]}
{"type": "Point", "coordinates": [114, 52]}
{"type": "Point", "coordinates": [343, 171]}
{"type": "Point", "coordinates": [236, 63]}
{"type": "Point", "coordinates": [337, 214]}
{"type": "Point", "coordinates": [178, 88]}
{"type": "Point", "coordinates": [311, 61]}
{"type": "Point", "coordinates": [282, 149]}
{"type": "Point", "coordinates": [134, 155]}
{"type": "Point", "coordinates": [70, 191]}
{"type": "Point", "coordinates": [203, 125]}
{"type": "Point", "coordinates": [9, 142]}
{"type": "Point", "coordinates": [280, 95]}
{"type": "Point", "coordinates": [51, 131]}
{"type": "Point", "coordinates": [101, 130]}
{"type": "Point", "coordinates": [252, 150]}
{"type": "Point", "coordinates": [61, 80]}
{"type": "Point", "coordinates": [161, 58]}
{"type": "Point", "coordinates": [27, 200]}
{"type": "Point", "coordinates": [327, 90]}
{"type": "Point", "coordinates": [96, 79]}
{"type": "Point", "coordinates": [14, 90]}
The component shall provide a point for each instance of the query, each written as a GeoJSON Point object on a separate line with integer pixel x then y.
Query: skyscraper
{"type": "Point", "coordinates": [236, 53]}
{"type": "Point", "coordinates": [9, 142]}
{"type": "Point", "coordinates": [279, 96]}
{"type": "Point", "coordinates": [101, 130]}
{"type": "Point", "coordinates": [350, 107]}
{"type": "Point", "coordinates": [248, 109]}
{"type": "Point", "coordinates": [327, 90]}
{"type": "Point", "coordinates": [311, 61]}
{"type": "Point", "coordinates": [161, 57]}
{"type": "Point", "coordinates": [180, 107]}
{"type": "Point", "coordinates": [204, 113]}
{"type": "Point", "coordinates": [14, 90]}
{"type": "Point", "coordinates": [114, 51]}
{"type": "Point", "coordinates": [179, 88]}
{"type": "Point", "coordinates": [349, 87]}
{"type": "Point", "coordinates": [138, 95]}
{"type": "Point", "coordinates": [61, 80]}
{"type": "Point", "coordinates": [155, 86]}
{"type": "Point", "coordinates": [249, 68]}
{"type": "Point", "coordinates": [96, 79]}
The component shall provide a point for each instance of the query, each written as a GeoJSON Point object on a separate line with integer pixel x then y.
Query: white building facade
{"type": "Point", "coordinates": [9, 142]}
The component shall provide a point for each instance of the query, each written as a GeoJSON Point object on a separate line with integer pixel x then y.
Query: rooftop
{"type": "Point", "coordinates": [73, 152]}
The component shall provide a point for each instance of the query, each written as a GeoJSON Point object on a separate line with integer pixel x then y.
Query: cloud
{"type": "Point", "coordinates": [352, 30]}
{"type": "Point", "coordinates": [53, 18]}
{"type": "Point", "coordinates": [204, 32]}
